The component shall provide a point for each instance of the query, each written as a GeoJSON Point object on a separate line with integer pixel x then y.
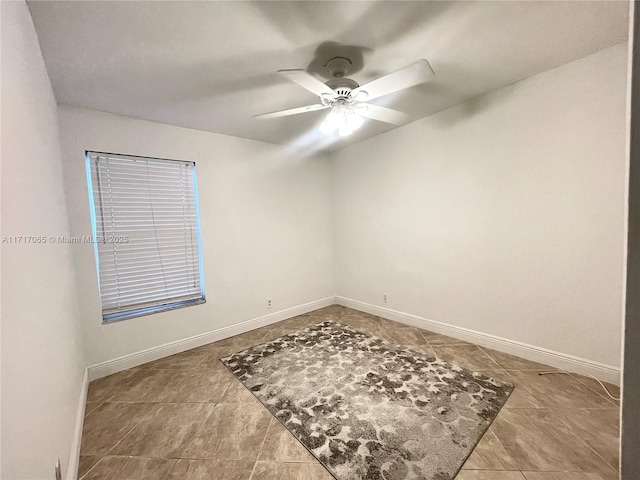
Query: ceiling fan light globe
{"type": "Point", "coordinates": [332, 122]}
{"type": "Point", "coordinates": [344, 131]}
{"type": "Point", "coordinates": [354, 121]}
{"type": "Point", "coordinates": [327, 128]}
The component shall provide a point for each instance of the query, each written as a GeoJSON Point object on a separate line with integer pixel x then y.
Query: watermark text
{"type": "Point", "coordinates": [41, 239]}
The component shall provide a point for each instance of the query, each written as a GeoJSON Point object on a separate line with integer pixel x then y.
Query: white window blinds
{"type": "Point", "coordinates": [146, 227]}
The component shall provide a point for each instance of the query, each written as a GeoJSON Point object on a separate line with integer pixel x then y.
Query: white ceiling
{"type": "Point", "coordinates": [210, 65]}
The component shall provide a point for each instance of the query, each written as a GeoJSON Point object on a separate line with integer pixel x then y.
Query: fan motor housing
{"type": "Point", "coordinates": [342, 83]}
{"type": "Point", "coordinates": [343, 87]}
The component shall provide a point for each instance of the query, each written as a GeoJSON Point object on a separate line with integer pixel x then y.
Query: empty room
{"type": "Point", "coordinates": [315, 240]}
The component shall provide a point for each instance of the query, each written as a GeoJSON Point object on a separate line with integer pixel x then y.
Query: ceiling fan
{"type": "Point", "coordinates": [348, 100]}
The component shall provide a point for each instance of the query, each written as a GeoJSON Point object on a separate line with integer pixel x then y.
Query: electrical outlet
{"type": "Point", "coordinates": [269, 303]}
{"type": "Point", "coordinates": [384, 298]}
{"type": "Point", "coordinates": [58, 471]}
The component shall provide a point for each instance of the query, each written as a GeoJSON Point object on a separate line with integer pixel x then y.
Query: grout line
{"type": "Point", "coordinates": [118, 442]}
{"type": "Point", "coordinates": [225, 390]}
{"type": "Point", "coordinates": [585, 380]}
{"type": "Point", "coordinates": [91, 412]}
{"type": "Point", "coordinates": [92, 467]}
{"type": "Point", "coordinates": [492, 359]}
{"type": "Point", "coordinates": [130, 456]}
{"type": "Point", "coordinates": [151, 416]}
{"type": "Point", "coordinates": [491, 431]}
{"type": "Point", "coordinates": [579, 437]}
{"type": "Point", "coordinates": [425, 338]}
{"type": "Point", "coordinates": [520, 386]}
{"type": "Point", "coordinates": [170, 468]}
{"type": "Point", "coordinates": [264, 440]}
{"type": "Point", "coordinates": [261, 447]}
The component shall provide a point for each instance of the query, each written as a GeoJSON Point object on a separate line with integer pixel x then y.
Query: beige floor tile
{"type": "Point", "coordinates": [511, 362]}
{"type": "Point", "coordinates": [389, 327]}
{"type": "Point", "coordinates": [214, 352]}
{"type": "Point", "coordinates": [211, 469]}
{"type": "Point", "coordinates": [219, 428]}
{"type": "Point", "coordinates": [406, 336]}
{"type": "Point", "coordinates": [354, 321]}
{"type": "Point", "coordinates": [488, 475]}
{"type": "Point", "coordinates": [213, 363]}
{"type": "Point", "coordinates": [296, 323]}
{"type": "Point", "coordinates": [599, 428]}
{"type": "Point", "coordinates": [538, 440]}
{"type": "Point", "coordinates": [300, 322]}
{"type": "Point", "coordinates": [86, 463]}
{"type": "Point", "coordinates": [229, 432]}
{"type": "Point", "coordinates": [282, 446]}
{"type": "Point", "coordinates": [290, 471]}
{"type": "Point", "coordinates": [560, 391]}
{"type": "Point", "coordinates": [497, 374]}
{"type": "Point", "coordinates": [277, 332]}
{"type": "Point", "coordinates": [102, 389]}
{"type": "Point", "coordinates": [372, 327]}
{"type": "Point", "coordinates": [185, 360]}
{"type": "Point", "coordinates": [201, 385]}
{"type": "Point", "coordinates": [436, 339]}
{"type": "Point", "coordinates": [332, 310]}
{"type": "Point", "coordinates": [490, 454]}
{"type": "Point", "coordinates": [385, 322]}
{"type": "Point", "coordinates": [520, 398]}
{"type": "Point", "coordinates": [467, 356]}
{"type": "Point", "coordinates": [141, 385]}
{"type": "Point", "coordinates": [251, 339]}
{"type": "Point", "coordinates": [368, 329]}
{"type": "Point", "coordinates": [166, 433]}
{"type": "Point", "coordinates": [90, 407]}
{"type": "Point", "coordinates": [227, 342]}
{"type": "Point", "coordinates": [593, 384]}
{"type": "Point", "coordinates": [314, 319]}
{"type": "Point", "coordinates": [568, 476]}
{"type": "Point", "coordinates": [130, 468]}
{"type": "Point", "coordinates": [238, 393]}
{"type": "Point", "coordinates": [423, 349]}
{"type": "Point", "coordinates": [355, 316]}
{"type": "Point", "coordinates": [110, 423]}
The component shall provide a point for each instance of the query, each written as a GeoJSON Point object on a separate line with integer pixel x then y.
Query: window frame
{"type": "Point", "coordinates": [140, 311]}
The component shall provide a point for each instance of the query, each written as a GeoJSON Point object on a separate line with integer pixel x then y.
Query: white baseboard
{"type": "Point", "coordinates": [569, 363]}
{"type": "Point", "coordinates": [138, 358]}
{"type": "Point", "coordinates": [74, 454]}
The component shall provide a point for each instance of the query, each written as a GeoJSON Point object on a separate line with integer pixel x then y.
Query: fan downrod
{"type": "Point", "coordinates": [338, 67]}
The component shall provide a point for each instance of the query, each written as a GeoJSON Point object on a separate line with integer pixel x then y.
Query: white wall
{"type": "Point", "coordinates": [503, 215]}
{"type": "Point", "coordinates": [42, 357]}
{"type": "Point", "coordinates": [265, 220]}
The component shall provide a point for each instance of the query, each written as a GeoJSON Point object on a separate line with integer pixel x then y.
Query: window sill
{"type": "Point", "coordinates": [141, 312]}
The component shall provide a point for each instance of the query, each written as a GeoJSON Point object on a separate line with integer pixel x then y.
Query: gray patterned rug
{"type": "Point", "coordinates": [367, 409]}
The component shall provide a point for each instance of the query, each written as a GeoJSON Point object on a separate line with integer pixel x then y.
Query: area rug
{"type": "Point", "coordinates": [368, 409]}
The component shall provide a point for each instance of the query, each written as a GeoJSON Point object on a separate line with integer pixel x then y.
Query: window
{"type": "Point", "coordinates": [146, 233]}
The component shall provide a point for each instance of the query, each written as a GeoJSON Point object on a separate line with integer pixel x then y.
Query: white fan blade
{"type": "Point", "coordinates": [382, 114]}
{"type": "Point", "coordinates": [409, 76]}
{"type": "Point", "coordinates": [307, 81]}
{"type": "Point", "coordinates": [292, 111]}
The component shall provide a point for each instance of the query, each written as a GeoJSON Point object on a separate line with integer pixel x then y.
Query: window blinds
{"type": "Point", "coordinates": [146, 231]}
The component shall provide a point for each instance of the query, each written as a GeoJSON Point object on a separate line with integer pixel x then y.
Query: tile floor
{"type": "Point", "coordinates": [186, 417]}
